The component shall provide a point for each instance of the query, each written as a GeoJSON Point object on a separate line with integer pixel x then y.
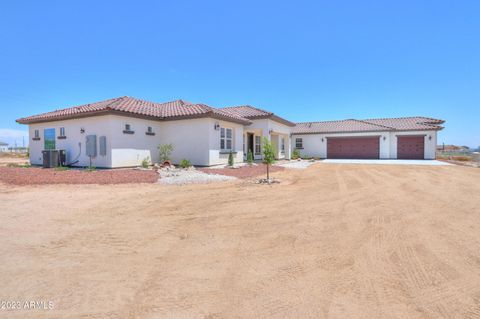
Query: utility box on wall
{"type": "Point", "coordinates": [91, 145]}
{"type": "Point", "coordinates": [103, 145]}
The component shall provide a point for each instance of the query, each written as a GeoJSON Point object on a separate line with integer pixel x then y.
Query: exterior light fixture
{"type": "Point", "coordinates": [384, 138]}
{"type": "Point", "coordinates": [216, 126]}
{"type": "Point", "coordinates": [322, 139]}
{"type": "Point", "coordinates": [429, 137]}
{"type": "Point", "coordinates": [270, 131]}
{"type": "Point", "coordinates": [82, 130]}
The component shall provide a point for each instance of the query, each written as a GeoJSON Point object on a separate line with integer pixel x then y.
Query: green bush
{"type": "Point", "coordinates": [249, 157]}
{"type": "Point", "coordinates": [230, 159]}
{"type": "Point", "coordinates": [184, 163]}
{"type": "Point", "coordinates": [295, 154]}
{"type": "Point", "coordinates": [62, 168]}
{"type": "Point", "coordinates": [146, 162]}
{"type": "Point", "coordinates": [164, 151]}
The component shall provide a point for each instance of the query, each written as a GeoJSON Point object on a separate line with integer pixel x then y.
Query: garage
{"type": "Point", "coordinates": [353, 147]}
{"type": "Point", "coordinates": [411, 147]}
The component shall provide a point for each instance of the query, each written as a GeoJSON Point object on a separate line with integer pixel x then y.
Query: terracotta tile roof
{"type": "Point", "coordinates": [370, 125]}
{"type": "Point", "coordinates": [253, 113]}
{"type": "Point", "coordinates": [163, 111]}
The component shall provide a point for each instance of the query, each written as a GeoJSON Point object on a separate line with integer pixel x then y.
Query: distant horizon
{"type": "Point", "coordinates": [308, 61]}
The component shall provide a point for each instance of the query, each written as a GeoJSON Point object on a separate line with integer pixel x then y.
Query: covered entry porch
{"type": "Point", "coordinates": [252, 141]}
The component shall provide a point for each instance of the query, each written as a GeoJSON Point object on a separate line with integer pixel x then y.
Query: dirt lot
{"type": "Point", "coordinates": [13, 158]}
{"type": "Point", "coordinates": [336, 241]}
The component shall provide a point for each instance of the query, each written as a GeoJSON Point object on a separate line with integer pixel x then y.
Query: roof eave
{"type": "Point", "coordinates": [338, 132]}
{"type": "Point", "coordinates": [281, 120]}
{"type": "Point", "coordinates": [392, 130]}
{"type": "Point", "coordinates": [62, 117]}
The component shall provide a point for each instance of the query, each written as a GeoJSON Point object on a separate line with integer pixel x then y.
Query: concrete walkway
{"type": "Point", "coordinates": [386, 162]}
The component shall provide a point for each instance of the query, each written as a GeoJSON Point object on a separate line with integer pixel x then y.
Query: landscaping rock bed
{"type": "Point", "coordinates": [243, 171]}
{"type": "Point", "coordinates": [36, 176]}
{"type": "Point", "coordinates": [178, 176]}
{"type": "Point", "coordinates": [298, 164]}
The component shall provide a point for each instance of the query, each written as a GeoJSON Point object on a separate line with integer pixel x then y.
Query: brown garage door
{"type": "Point", "coordinates": [410, 147]}
{"type": "Point", "coordinates": [353, 147]}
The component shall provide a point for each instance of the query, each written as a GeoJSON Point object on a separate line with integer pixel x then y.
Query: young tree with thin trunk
{"type": "Point", "coordinates": [268, 155]}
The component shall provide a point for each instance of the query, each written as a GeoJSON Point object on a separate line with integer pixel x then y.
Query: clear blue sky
{"type": "Point", "coordinates": [318, 60]}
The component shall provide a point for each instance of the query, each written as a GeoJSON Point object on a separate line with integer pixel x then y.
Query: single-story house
{"type": "Point", "coordinates": [122, 132]}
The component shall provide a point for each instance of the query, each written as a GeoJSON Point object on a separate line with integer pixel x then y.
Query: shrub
{"type": "Point", "coordinates": [184, 163]}
{"type": "Point", "coordinates": [165, 150]}
{"type": "Point", "coordinates": [146, 162]}
{"type": "Point", "coordinates": [62, 168]}
{"type": "Point", "coordinates": [249, 157]}
{"type": "Point", "coordinates": [268, 154]}
{"type": "Point", "coordinates": [295, 154]}
{"type": "Point", "coordinates": [230, 159]}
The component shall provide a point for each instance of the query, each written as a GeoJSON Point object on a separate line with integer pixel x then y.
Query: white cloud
{"type": "Point", "coordinates": [11, 136]}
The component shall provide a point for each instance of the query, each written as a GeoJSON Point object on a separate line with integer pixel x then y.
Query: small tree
{"type": "Point", "coordinates": [268, 154]}
{"type": "Point", "coordinates": [230, 159]}
{"type": "Point", "coordinates": [165, 150]}
{"type": "Point", "coordinates": [249, 157]}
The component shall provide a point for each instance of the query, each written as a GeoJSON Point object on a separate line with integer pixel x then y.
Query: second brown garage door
{"type": "Point", "coordinates": [410, 147]}
{"type": "Point", "coordinates": [353, 147]}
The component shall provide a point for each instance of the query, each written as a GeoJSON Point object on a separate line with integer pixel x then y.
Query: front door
{"type": "Point", "coordinates": [250, 142]}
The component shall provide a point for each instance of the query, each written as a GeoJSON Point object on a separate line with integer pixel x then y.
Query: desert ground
{"type": "Point", "coordinates": [331, 241]}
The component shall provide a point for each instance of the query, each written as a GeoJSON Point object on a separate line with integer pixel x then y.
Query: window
{"type": "Point", "coordinates": [258, 143]}
{"type": "Point", "coordinates": [150, 131]}
{"type": "Point", "coordinates": [282, 145]}
{"type": "Point", "coordinates": [128, 129]}
{"type": "Point", "coordinates": [226, 142]}
{"type": "Point", "coordinates": [62, 131]}
{"type": "Point", "coordinates": [298, 143]}
{"type": "Point", "coordinates": [37, 134]}
{"type": "Point", "coordinates": [49, 138]}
